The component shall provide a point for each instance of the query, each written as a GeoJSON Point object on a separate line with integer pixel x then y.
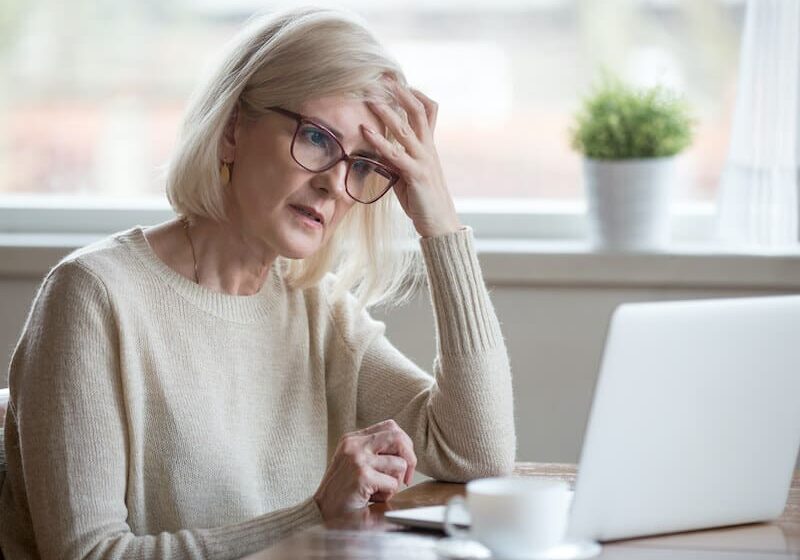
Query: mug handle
{"type": "Point", "coordinates": [450, 528]}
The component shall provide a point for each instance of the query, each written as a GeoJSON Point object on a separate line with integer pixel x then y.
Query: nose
{"type": "Point", "coordinates": [332, 180]}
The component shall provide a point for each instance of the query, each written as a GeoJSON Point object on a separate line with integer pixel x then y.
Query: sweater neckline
{"type": "Point", "coordinates": [227, 306]}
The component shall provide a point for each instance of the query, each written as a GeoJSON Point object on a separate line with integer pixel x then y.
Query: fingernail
{"type": "Point", "coordinates": [368, 129]}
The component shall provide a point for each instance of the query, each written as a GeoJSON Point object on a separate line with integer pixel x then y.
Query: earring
{"type": "Point", "coordinates": [225, 173]}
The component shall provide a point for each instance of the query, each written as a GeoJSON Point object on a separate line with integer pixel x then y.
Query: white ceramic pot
{"type": "Point", "coordinates": [628, 203]}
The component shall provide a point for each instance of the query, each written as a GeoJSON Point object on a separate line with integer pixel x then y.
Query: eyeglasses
{"type": "Point", "coordinates": [316, 149]}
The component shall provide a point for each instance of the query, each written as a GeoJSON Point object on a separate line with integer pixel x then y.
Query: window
{"type": "Point", "coordinates": [97, 88]}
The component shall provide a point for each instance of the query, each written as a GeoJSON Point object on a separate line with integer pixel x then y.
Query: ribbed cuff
{"type": "Point", "coordinates": [465, 319]}
{"type": "Point", "coordinates": [235, 541]}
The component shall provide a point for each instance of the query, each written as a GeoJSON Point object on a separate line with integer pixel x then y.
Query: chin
{"type": "Point", "coordinates": [302, 244]}
{"type": "Point", "coordinates": [299, 250]}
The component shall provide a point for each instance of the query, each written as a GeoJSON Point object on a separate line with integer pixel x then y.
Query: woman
{"type": "Point", "coordinates": [202, 388]}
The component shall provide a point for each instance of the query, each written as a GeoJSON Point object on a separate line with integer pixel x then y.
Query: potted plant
{"type": "Point", "coordinates": [630, 138]}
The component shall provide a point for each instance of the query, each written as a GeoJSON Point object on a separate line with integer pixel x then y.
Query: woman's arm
{"type": "Point", "coordinates": [461, 420]}
{"type": "Point", "coordinates": [67, 429]}
{"type": "Point", "coordinates": [463, 423]}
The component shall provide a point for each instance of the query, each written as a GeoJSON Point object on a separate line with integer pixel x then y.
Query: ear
{"type": "Point", "coordinates": [230, 135]}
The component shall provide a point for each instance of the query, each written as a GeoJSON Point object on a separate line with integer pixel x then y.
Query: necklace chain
{"type": "Point", "coordinates": [185, 222]}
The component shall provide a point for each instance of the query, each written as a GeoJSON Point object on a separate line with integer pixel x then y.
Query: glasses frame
{"type": "Point", "coordinates": [393, 175]}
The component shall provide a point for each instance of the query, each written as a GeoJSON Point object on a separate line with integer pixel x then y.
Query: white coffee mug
{"type": "Point", "coordinates": [513, 517]}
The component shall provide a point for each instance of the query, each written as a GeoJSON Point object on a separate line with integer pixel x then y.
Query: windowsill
{"type": "Point", "coordinates": [520, 242]}
{"type": "Point", "coordinates": [515, 262]}
{"type": "Point", "coordinates": [683, 265]}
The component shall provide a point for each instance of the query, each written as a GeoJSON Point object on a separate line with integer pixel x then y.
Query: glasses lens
{"type": "Point", "coordinates": [314, 148]}
{"type": "Point", "coordinates": [367, 181]}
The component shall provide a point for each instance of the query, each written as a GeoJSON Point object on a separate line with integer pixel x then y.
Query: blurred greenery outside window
{"type": "Point", "coordinates": [93, 91]}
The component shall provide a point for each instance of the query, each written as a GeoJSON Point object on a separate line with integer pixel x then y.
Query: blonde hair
{"type": "Point", "coordinates": [284, 60]}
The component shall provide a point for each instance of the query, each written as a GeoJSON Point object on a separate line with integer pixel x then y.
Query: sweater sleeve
{"type": "Point", "coordinates": [461, 419]}
{"type": "Point", "coordinates": [68, 433]}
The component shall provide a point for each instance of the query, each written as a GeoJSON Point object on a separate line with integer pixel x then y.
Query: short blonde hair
{"type": "Point", "coordinates": [285, 60]}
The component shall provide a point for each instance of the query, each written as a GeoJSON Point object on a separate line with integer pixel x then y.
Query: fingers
{"type": "Point", "coordinates": [375, 428]}
{"type": "Point", "coordinates": [392, 443]}
{"type": "Point", "coordinates": [421, 109]}
{"type": "Point", "coordinates": [391, 465]}
{"type": "Point", "coordinates": [401, 130]}
{"type": "Point", "coordinates": [380, 497]}
{"type": "Point", "coordinates": [415, 109]}
{"type": "Point", "coordinates": [431, 107]}
{"type": "Point", "coordinates": [411, 152]}
{"type": "Point", "coordinates": [368, 465]}
{"type": "Point", "coordinates": [395, 441]}
{"type": "Point", "coordinates": [391, 153]}
{"type": "Point", "coordinates": [383, 487]}
{"type": "Point", "coordinates": [385, 438]}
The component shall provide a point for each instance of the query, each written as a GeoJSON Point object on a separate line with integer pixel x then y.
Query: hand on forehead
{"type": "Point", "coordinates": [344, 115]}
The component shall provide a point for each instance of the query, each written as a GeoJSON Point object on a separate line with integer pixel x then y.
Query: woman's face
{"type": "Point", "coordinates": [267, 184]}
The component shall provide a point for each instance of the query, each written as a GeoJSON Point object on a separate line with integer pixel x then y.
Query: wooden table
{"type": "Point", "coordinates": [366, 534]}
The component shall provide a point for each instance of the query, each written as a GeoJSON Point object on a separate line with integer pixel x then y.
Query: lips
{"type": "Point", "coordinates": [310, 212]}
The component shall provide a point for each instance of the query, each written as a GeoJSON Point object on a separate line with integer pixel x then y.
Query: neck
{"type": "Point", "coordinates": [228, 259]}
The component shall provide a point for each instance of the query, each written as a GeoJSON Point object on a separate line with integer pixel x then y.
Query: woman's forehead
{"type": "Point", "coordinates": [342, 115]}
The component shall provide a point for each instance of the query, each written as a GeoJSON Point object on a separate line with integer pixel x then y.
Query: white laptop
{"type": "Point", "coordinates": [695, 421]}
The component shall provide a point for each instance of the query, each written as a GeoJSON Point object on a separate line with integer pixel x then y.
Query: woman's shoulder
{"type": "Point", "coordinates": [103, 262]}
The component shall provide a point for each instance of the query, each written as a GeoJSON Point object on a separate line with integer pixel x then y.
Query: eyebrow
{"type": "Point", "coordinates": [324, 123]}
{"type": "Point", "coordinates": [370, 155]}
{"type": "Point", "coordinates": [340, 137]}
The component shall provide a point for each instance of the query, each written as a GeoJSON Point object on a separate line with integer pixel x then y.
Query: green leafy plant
{"type": "Point", "coordinates": [617, 121]}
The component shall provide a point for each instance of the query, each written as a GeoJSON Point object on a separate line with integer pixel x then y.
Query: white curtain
{"type": "Point", "coordinates": [758, 200]}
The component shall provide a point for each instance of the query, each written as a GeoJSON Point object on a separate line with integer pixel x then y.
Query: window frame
{"type": "Point", "coordinates": [514, 219]}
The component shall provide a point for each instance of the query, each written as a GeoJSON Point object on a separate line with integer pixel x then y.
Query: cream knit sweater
{"type": "Point", "coordinates": [153, 418]}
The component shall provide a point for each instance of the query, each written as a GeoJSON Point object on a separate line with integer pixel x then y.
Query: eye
{"type": "Point", "coordinates": [316, 137]}
{"type": "Point", "coordinates": [362, 167]}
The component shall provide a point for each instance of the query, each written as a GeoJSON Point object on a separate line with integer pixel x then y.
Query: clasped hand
{"type": "Point", "coordinates": [369, 465]}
